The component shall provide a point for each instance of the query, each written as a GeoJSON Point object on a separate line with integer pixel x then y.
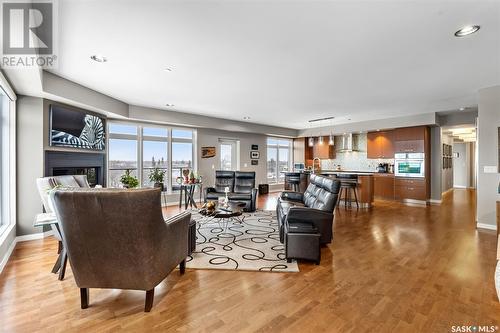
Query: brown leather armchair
{"type": "Point", "coordinates": [118, 239]}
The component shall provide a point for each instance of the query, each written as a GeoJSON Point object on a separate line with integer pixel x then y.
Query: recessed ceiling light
{"type": "Point", "coordinates": [98, 58]}
{"type": "Point", "coordinates": [169, 105]}
{"type": "Point", "coordinates": [467, 30]}
{"type": "Point", "coordinates": [462, 108]}
{"type": "Point", "coordinates": [246, 118]}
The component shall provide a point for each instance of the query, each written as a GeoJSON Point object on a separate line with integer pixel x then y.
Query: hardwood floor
{"type": "Point", "coordinates": [391, 268]}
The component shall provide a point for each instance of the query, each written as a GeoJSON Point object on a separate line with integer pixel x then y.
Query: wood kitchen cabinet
{"type": "Point", "coordinates": [409, 146]}
{"type": "Point", "coordinates": [408, 188]}
{"type": "Point", "coordinates": [411, 139]}
{"type": "Point", "coordinates": [384, 185]}
{"type": "Point", "coordinates": [380, 144]}
{"type": "Point", "coordinates": [323, 151]}
{"type": "Point", "coordinates": [410, 133]}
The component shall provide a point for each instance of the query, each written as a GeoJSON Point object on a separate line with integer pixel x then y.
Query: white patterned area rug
{"type": "Point", "coordinates": [249, 242]}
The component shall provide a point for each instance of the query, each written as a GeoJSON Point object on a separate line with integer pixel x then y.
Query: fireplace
{"type": "Point", "coordinates": [59, 163]}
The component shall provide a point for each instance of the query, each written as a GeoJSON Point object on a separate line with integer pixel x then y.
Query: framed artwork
{"type": "Point", "coordinates": [255, 162]}
{"type": "Point", "coordinates": [254, 154]}
{"type": "Point", "coordinates": [207, 152]}
{"type": "Point", "coordinates": [255, 147]}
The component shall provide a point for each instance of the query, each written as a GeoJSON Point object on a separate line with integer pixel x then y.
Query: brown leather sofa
{"type": "Point", "coordinates": [118, 239]}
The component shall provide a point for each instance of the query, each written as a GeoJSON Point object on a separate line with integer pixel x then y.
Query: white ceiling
{"type": "Point", "coordinates": [283, 62]}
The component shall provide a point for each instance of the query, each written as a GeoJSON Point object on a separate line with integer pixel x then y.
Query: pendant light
{"type": "Point", "coordinates": [311, 139]}
{"type": "Point", "coordinates": [331, 140]}
{"type": "Point", "coordinates": [320, 136]}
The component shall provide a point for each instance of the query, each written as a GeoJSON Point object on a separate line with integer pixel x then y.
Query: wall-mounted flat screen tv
{"type": "Point", "coordinates": [76, 129]}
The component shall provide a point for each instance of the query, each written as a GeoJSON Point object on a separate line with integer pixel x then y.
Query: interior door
{"type": "Point", "coordinates": [228, 156]}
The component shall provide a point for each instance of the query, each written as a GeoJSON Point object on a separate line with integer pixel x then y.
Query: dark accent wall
{"type": "Point", "coordinates": [73, 160]}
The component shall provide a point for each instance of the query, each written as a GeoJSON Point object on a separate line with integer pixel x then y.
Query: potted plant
{"type": "Point", "coordinates": [157, 176]}
{"type": "Point", "coordinates": [128, 180]}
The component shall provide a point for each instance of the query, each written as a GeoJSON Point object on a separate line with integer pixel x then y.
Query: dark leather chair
{"type": "Point", "coordinates": [118, 239]}
{"type": "Point", "coordinates": [241, 188]}
{"type": "Point", "coordinates": [314, 207]}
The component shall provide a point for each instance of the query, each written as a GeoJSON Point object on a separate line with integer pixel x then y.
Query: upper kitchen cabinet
{"type": "Point", "coordinates": [409, 133]}
{"type": "Point", "coordinates": [411, 139]}
{"type": "Point", "coordinates": [380, 144]}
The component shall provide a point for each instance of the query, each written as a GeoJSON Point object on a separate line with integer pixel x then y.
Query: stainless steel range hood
{"type": "Point", "coordinates": [349, 142]}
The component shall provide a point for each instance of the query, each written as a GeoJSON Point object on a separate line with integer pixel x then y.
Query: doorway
{"type": "Point", "coordinates": [464, 156]}
{"type": "Point", "coordinates": [229, 154]}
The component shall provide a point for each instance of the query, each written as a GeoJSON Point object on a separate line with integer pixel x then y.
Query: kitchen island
{"type": "Point", "coordinates": [362, 179]}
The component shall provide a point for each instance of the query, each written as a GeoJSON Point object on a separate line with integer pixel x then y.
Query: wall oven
{"type": "Point", "coordinates": [409, 165]}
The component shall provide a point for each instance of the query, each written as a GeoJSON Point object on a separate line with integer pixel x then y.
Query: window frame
{"type": "Point", "coordinates": [8, 170]}
{"type": "Point", "coordinates": [140, 138]}
{"type": "Point", "coordinates": [278, 148]}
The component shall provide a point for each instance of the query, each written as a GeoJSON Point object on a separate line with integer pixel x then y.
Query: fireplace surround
{"type": "Point", "coordinates": [59, 163]}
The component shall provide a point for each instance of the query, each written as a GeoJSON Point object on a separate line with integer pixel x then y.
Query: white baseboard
{"type": "Point", "coordinates": [7, 255]}
{"type": "Point", "coordinates": [435, 201]}
{"type": "Point", "coordinates": [29, 237]}
{"type": "Point", "coordinates": [486, 226]}
{"type": "Point", "coordinates": [23, 238]}
{"type": "Point", "coordinates": [459, 186]}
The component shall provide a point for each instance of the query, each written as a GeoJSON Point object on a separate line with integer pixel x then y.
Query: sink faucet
{"type": "Point", "coordinates": [314, 164]}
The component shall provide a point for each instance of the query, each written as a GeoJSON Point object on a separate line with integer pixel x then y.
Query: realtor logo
{"type": "Point", "coordinates": [28, 34]}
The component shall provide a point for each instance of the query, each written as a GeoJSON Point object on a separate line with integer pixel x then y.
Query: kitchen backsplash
{"type": "Point", "coordinates": [354, 160]}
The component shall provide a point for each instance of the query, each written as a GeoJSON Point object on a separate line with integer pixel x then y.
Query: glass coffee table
{"type": "Point", "coordinates": [222, 214]}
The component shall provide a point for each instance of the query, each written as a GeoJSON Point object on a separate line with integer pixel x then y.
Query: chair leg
{"type": "Point", "coordinates": [356, 198]}
{"type": "Point", "coordinates": [182, 266]}
{"type": "Point", "coordinates": [150, 295]}
{"type": "Point", "coordinates": [84, 297]}
{"type": "Point", "coordinates": [64, 262]}
{"type": "Point", "coordinates": [59, 247]}
{"type": "Point", "coordinates": [57, 264]}
{"type": "Point", "coordinates": [339, 198]}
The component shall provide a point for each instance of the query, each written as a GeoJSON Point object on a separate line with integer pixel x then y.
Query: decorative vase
{"type": "Point", "coordinates": [159, 185]}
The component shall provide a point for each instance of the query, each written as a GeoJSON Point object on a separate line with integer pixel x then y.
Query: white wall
{"type": "Point", "coordinates": [210, 137]}
{"type": "Point", "coordinates": [488, 150]}
{"type": "Point", "coordinates": [30, 161]}
{"type": "Point", "coordinates": [461, 165]}
{"type": "Point", "coordinates": [464, 165]}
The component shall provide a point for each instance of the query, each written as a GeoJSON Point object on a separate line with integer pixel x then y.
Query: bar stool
{"type": "Point", "coordinates": [294, 181]}
{"type": "Point", "coordinates": [348, 184]}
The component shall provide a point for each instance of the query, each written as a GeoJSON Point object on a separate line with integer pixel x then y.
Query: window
{"type": "Point", "coordinates": [122, 156]}
{"type": "Point", "coordinates": [182, 158]}
{"type": "Point", "coordinates": [229, 154]}
{"type": "Point", "coordinates": [278, 159]}
{"type": "Point", "coordinates": [141, 148]}
{"type": "Point", "coordinates": [154, 153]}
{"type": "Point", "coordinates": [7, 157]}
